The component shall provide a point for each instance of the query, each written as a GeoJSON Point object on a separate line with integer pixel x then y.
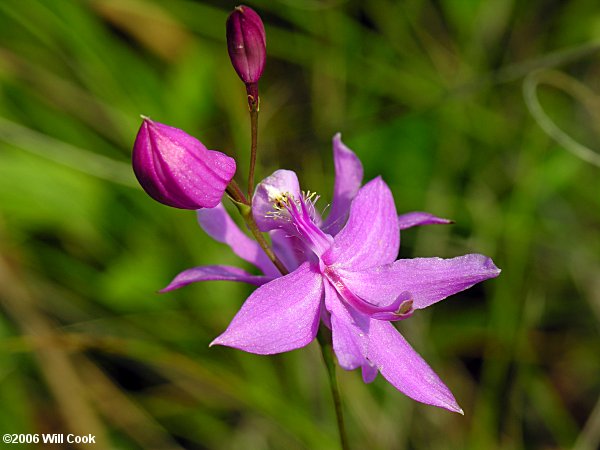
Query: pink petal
{"type": "Point", "coordinates": [348, 330]}
{"type": "Point", "coordinates": [218, 225]}
{"type": "Point", "coordinates": [404, 368]}
{"type": "Point", "coordinates": [348, 177]}
{"type": "Point", "coordinates": [267, 192]}
{"type": "Point", "coordinates": [289, 249]}
{"type": "Point", "coordinates": [397, 309]}
{"type": "Point", "coordinates": [369, 372]}
{"type": "Point", "coordinates": [428, 280]}
{"type": "Point", "coordinates": [279, 316]}
{"type": "Point", "coordinates": [214, 273]}
{"type": "Point", "coordinates": [417, 218]}
{"type": "Point", "coordinates": [371, 236]}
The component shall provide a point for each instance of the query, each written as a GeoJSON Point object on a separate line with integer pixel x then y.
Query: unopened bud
{"type": "Point", "coordinates": [177, 170]}
{"type": "Point", "coordinates": [246, 43]}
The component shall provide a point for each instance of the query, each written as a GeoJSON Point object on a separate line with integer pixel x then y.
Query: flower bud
{"type": "Point", "coordinates": [246, 44]}
{"type": "Point", "coordinates": [177, 170]}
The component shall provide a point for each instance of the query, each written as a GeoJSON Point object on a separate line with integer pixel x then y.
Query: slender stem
{"type": "Point", "coordinates": [253, 144]}
{"type": "Point", "coordinates": [234, 191]}
{"type": "Point", "coordinates": [324, 338]}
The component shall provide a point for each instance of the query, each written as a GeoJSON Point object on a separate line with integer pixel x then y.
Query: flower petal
{"type": "Point", "coordinates": [398, 309]}
{"type": "Point", "coordinates": [214, 273]}
{"type": "Point", "coordinates": [348, 177]}
{"type": "Point", "coordinates": [428, 280]}
{"type": "Point", "coordinates": [405, 369]}
{"type": "Point", "coordinates": [289, 249]}
{"type": "Point", "coordinates": [220, 226]}
{"type": "Point", "coordinates": [268, 192]}
{"type": "Point", "coordinates": [369, 372]}
{"type": "Point", "coordinates": [371, 236]}
{"type": "Point", "coordinates": [417, 218]}
{"type": "Point", "coordinates": [279, 316]}
{"type": "Point", "coordinates": [349, 331]}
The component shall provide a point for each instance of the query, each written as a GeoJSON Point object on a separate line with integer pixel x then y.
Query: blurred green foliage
{"type": "Point", "coordinates": [428, 94]}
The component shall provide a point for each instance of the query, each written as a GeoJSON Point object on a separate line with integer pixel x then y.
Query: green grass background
{"type": "Point", "coordinates": [429, 94]}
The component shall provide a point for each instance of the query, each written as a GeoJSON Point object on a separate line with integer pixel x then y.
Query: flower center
{"type": "Point", "coordinates": [399, 309]}
{"type": "Point", "coordinates": [301, 214]}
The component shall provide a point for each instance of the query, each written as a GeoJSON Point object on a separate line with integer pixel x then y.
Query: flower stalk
{"type": "Point", "coordinates": [254, 106]}
{"type": "Point", "coordinates": [326, 345]}
{"type": "Point", "coordinates": [235, 193]}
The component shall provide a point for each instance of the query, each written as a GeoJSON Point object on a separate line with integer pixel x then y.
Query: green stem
{"type": "Point", "coordinates": [253, 145]}
{"type": "Point", "coordinates": [324, 338]}
{"type": "Point", "coordinates": [236, 194]}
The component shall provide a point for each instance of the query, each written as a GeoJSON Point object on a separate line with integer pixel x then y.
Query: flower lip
{"type": "Point", "coordinates": [269, 193]}
{"type": "Point", "coordinates": [177, 170]}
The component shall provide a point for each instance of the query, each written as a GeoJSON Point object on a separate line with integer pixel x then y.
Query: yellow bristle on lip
{"type": "Point", "coordinates": [281, 200]}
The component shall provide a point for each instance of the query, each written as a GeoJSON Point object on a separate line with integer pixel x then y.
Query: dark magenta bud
{"type": "Point", "coordinates": [177, 170]}
{"type": "Point", "coordinates": [246, 43]}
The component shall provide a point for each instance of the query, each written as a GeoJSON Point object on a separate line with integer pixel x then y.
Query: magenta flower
{"type": "Point", "coordinates": [177, 170]}
{"type": "Point", "coordinates": [349, 278]}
